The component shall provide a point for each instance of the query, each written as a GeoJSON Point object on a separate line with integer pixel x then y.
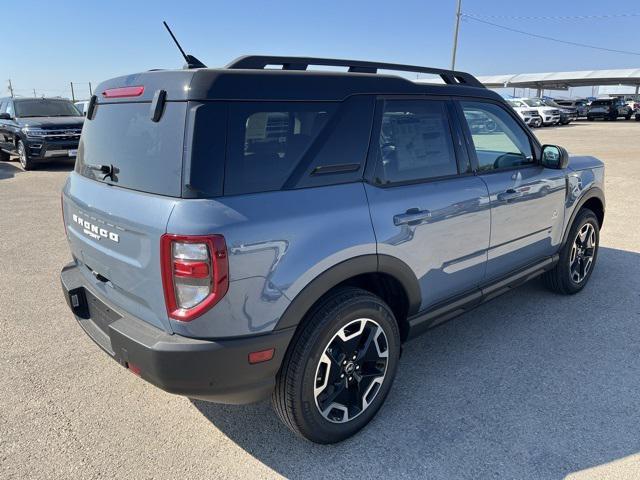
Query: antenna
{"type": "Point", "coordinates": [192, 62]}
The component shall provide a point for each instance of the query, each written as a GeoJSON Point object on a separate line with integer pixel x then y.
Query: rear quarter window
{"type": "Point", "coordinates": [267, 140]}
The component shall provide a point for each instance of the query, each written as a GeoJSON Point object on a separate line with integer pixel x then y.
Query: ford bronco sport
{"type": "Point", "coordinates": [246, 232]}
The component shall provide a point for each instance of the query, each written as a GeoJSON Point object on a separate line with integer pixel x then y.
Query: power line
{"type": "Point", "coordinates": [558, 17]}
{"type": "Point", "coordinates": [566, 42]}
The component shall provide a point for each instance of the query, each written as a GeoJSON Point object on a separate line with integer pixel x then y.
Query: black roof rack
{"type": "Point", "coordinates": [255, 62]}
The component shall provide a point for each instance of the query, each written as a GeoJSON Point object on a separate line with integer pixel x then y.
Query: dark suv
{"type": "Point", "coordinates": [38, 129]}
{"type": "Point", "coordinates": [245, 232]}
{"type": "Point", "coordinates": [609, 109]}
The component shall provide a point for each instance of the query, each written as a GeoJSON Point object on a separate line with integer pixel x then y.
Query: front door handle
{"type": "Point", "coordinates": [413, 216]}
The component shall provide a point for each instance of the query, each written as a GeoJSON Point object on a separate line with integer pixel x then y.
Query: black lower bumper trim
{"type": "Point", "coordinates": [213, 370]}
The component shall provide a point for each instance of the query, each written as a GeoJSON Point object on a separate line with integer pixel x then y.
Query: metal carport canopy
{"type": "Point", "coordinates": [564, 80]}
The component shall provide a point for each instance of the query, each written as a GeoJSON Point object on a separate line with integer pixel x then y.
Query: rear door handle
{"type": "Point", "coordinates": [509, 195]}
{"type": "Point", "coordinates": [413, 216]}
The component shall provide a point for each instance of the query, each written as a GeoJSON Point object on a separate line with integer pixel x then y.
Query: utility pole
{"type": "Point", "coordinates": [90, 91]}
{"type": "Point", "coordinates": [34, 93]}
{"type": "Point", "coordinates": [455, 35]}
{"type": "Point", "coordinates": [73, 95]}
{"type": "Point", "coordinates": [10, 88]}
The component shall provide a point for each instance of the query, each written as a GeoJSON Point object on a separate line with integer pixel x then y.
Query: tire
{"type": "Point", "coordinates": [562, 278]}
{"type": "Point", "coordinates": [306, 394]}
{"type": "Point", "coordinates": [25, 161]}
{"type": "Point", "coordinates": [628, 117]}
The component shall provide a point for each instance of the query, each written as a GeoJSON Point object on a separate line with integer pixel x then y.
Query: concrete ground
{"type": "Point", "coordinates": [530, 385]}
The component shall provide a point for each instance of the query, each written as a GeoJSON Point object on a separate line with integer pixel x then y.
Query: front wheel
{"type": "Point", "coordinates": [577, 257]}
{"type": "Point", "coordinates": [25, 161]}
{"type": "Point", "coordinates": [339, 367]}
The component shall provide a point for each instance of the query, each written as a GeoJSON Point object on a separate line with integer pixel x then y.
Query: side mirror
{"type": "Point", "coordinates": [5, 116]}
{"type": "Point", "coordinates": [554, 156]}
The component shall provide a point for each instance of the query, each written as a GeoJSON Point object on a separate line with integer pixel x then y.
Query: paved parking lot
{"type": "Point", "coordinates": [530, 385]}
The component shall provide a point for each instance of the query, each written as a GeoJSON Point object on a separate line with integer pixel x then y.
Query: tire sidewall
{"type": "Point", "coordinates": [26, 163]}
{"type": "Point", "coordinates": [312, 423]}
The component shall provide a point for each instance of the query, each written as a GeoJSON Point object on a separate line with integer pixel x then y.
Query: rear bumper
{"type": "Point", "coordinates": [217, 371]}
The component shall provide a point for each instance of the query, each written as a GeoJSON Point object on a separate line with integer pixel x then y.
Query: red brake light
{"type": "Point", "coordinates": [195, 273]}
{"type": "Point", "coordinates": [121, 92]}
{"type": "Point", "coordinates": [190, 269]}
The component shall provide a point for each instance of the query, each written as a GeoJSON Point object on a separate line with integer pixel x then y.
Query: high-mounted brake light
{"type": "Point", "coordinates": [195, 273]}
{"type": "Point", "coordinates": [122, 92]}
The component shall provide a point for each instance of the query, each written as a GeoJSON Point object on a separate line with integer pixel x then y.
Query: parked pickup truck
{"type": "Point", "coordinates": [282, 232]}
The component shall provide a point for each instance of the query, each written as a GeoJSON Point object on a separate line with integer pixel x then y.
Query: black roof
{"type": "Point", "coordinates": [247, 78]}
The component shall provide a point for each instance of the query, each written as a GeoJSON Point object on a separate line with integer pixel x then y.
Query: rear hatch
{"type": "Point", "coordinates": [600, 106]}
{"type": "Point", "coordinates": [127, 178]}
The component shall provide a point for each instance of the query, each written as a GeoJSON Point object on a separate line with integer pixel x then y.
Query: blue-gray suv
{"type": "Point", "coordinates": [266, 229]}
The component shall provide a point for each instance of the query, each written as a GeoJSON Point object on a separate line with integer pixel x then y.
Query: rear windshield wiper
{"type": "Point", "coordinates": [108, 170]}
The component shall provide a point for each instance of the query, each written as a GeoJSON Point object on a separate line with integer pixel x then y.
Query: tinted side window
{"type": "Point", "coordinates": [415, 142]}
{"type": "Point", "coordinates": [499, 141]}
{"type": "Point", "coordinates": [266, 141]}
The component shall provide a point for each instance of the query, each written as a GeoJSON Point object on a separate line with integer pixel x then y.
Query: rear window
{"type": "Point", "coordinates": [595, 103]}
{"type": "Point", "coordinates": [146, 155]}
{"type": "Point", "coordinates": [267, 140]}
{"type": "Point", "coordinates": [415, 142]}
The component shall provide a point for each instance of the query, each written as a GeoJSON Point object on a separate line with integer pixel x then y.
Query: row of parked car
{"type": "Point", "coordinates": [538, 112]}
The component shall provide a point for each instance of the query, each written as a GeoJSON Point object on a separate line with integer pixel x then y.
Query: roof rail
{"type": "Point", "coordinates": [258, 62]}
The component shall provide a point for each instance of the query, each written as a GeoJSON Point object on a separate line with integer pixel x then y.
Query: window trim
{"type": "Point", "coordinates": [461, 154]}
{"type": "Point", "coordinates": [533, 141]}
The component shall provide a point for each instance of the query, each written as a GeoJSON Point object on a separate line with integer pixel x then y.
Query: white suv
{"type": "Point", "coordinates": [550, 115]}
{"type": "Point", "coordinates": [530, 115]}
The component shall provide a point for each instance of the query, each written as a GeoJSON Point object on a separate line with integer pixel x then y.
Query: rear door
{"type": "Point", "coordinates": [527, 199]}
{"type": "Point", "coordinates": [117, 202]}
{"type": "Point", "coordinates": [427, 208]}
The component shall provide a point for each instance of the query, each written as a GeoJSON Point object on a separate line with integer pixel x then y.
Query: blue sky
{"type": "Point", "coordinates": [48, 44]}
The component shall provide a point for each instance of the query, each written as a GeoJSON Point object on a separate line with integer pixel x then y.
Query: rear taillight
{"type": "Point", "coordinates": [122, 92]}
{"type": "Point", "coordinates": [195, 273]}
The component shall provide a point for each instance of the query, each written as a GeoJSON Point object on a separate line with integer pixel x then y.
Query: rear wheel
{"type": "Point", "coordinates": [25, 161]}
{"type": "Point", "coordinates": [339, 367]}
{"type": "Point", "coordinates": [577, 257]}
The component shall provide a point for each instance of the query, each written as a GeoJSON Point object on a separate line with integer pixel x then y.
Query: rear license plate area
{"type": "Point", "coordinates": [99, 313]}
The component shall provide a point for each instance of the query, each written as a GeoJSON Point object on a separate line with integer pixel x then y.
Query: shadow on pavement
{"type": "Point", "coordinates": [8, 170]}
{"type": "Point", "coordinates": [58, 165]}
{"type": "Point", "coordinates": [530, 385]}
